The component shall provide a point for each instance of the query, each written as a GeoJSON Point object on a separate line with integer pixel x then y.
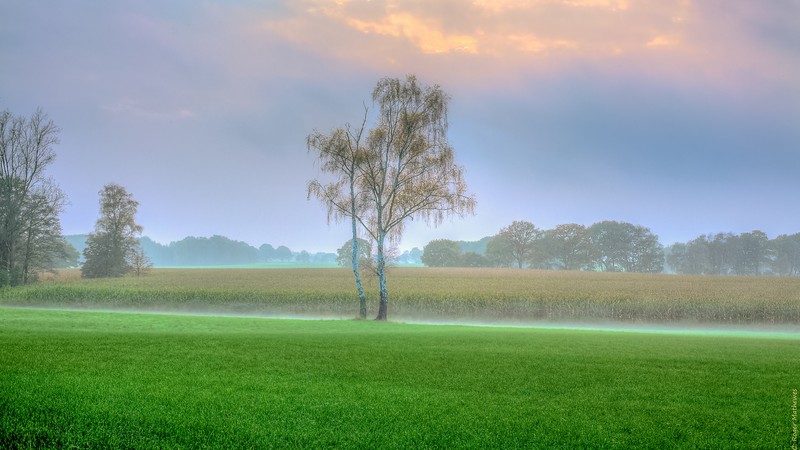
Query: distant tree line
{"type": "Point", "coordinates": [604, 246]}
{"type": "Point", "coordinates": [215, 251]}
{"type": "Point", "coordinates": [220, 250]}
{"type": "Point", "coordinates": [611, 246]}
{"type": "Point", "coordinates": [750, 253]}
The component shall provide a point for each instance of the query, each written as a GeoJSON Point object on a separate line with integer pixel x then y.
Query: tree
{"type": "Point", "coordinates": [568, 246]}
{"type": "Point", "coordinates": [499, 252]}
{"type": "Point", "coordinates": [303, 257]}
{"type": "Point", "coordinates": [282, 253]}
{"type": "Point", "coordinates": [676, 256]}
{"type": "Point", "coordinates": [68, 257]}
{"type": "Point", "coordinates": [408, 170]}
{"type": "Point", "coordinates": [30, 202]}
{"type": "Point", "coordinates": [404, 170]}
{"type": "Point", "coordinates": [787, 254]}
{"type": "Point", "coordinates": [139, 262]}
{"type": "Point", "coordinates": [751, 252]}
{"type": "Point", "coordinates": [110, 247]}
{"type": "Point", "coordinates": [645, 253]}
{"type": "Point", "coordinates": [266, 252]}
{"type": "Point", "coordinates": [521, 237]}
{"type": "Point", "coordinates": [340, 153]}
{"type": "Point", "coordinates": [624, 247]}
{"type": "Point", "coordinates": [608, 241]}
{"type": "Point", "coordinates": [344, 256]}
{"type": "Point", "coordinates": [441, 253]}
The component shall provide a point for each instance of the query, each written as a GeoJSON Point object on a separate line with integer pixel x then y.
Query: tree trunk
{"type": "Point", "coordinates": [382, 307]}
{"type": "Point", "coordinates": [362, 300]}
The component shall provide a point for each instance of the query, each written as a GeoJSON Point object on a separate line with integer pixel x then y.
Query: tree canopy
{"type": "Point", "coordinates": [404, 170]}
{"type": "Point", "coordinates": [441, 253]}
{"type": "Point", "coordinates": [111, 247]}
{"type": "Point", "coordinates": [30, 201]}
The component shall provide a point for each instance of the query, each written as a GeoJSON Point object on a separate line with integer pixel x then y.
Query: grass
{"type": "Point", "coordinates": [105, 380]}
{"type": "Point", "coordinates": [442, 294]}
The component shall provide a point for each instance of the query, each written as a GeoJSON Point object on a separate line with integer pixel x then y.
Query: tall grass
{"type": "Point", "coordinates": [424, 293]}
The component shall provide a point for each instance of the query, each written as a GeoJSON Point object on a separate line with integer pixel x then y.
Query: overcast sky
{"type": "Point", "coordinates": [679, 115]}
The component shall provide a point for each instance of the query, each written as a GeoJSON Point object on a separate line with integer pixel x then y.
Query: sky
{"type": "Point", "coordinates": [682, 116]}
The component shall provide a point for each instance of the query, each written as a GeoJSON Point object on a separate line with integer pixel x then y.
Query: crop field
{"type": "Point", "coordinates": [80, 379]}
{"type": "Point", "coordinates": [489, 295]}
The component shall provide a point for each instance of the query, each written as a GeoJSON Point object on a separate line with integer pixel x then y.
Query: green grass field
{"type": "Point", "coordinates": [77, 379]}
{"type": "Point", "coordinates": [494, 295]}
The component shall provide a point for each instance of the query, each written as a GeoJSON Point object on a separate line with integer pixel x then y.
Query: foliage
{"type": "Point", "coordinates": [404, 170]}
{"type": "Point", "coordinates": [624, 247]}
{"type": "Point", "coordinates": [499, 252]}
{"type": "Point", "coordinates": [520, 238]}
{"type": "Point", "coordinates": [97, 380]}
{"type": "Point", "coordinates": [69, 257]}
{"type": "Point", "coordinates": [441, 253]}
{"type": "Point", "coordinates": [220, 251]}
{"type": "Point", "coordinates": [110, 248]}
{"type": "Point", "coordinates": [30, 202]}
{"type": "Point", "coordinates": [344, 256]}
{"type": "Point", "coordinates": [472, 259]}
{"type": "Point", "coordinates": [567, 247]}
{"type": "Point", "coordinates": [786, 254]}
{"type": "Point", "coordinates": [750, 253]}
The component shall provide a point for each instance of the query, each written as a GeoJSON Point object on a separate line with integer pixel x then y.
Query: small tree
{"type": "Point", "coordinates": [110, 247]}
{"type": "Point", "coordinates": [341, 153]}
{"type": "Point", "coordinates": [139, 262]}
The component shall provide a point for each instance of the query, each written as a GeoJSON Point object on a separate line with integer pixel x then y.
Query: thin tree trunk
{"type": "Point", "coordinates": [384, 296]}
{"type": "Point", "coordinates": [362, 300]}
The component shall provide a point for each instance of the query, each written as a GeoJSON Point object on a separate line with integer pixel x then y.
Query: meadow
{"type": "Point", "coordinates": [79, 379]}
{"type": "Point", "coordinates": [484, 295]}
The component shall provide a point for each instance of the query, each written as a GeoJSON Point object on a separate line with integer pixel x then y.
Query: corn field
{"type": "Point", "coordinates": [505, 295]}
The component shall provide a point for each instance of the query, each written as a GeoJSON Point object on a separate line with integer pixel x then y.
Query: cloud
{"type": "Point", "coordinates": [500, 6]}
{"type": "Point", "coordinates": [484, 40]}
{"type": "Point", "coordinates": [424, 34]}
